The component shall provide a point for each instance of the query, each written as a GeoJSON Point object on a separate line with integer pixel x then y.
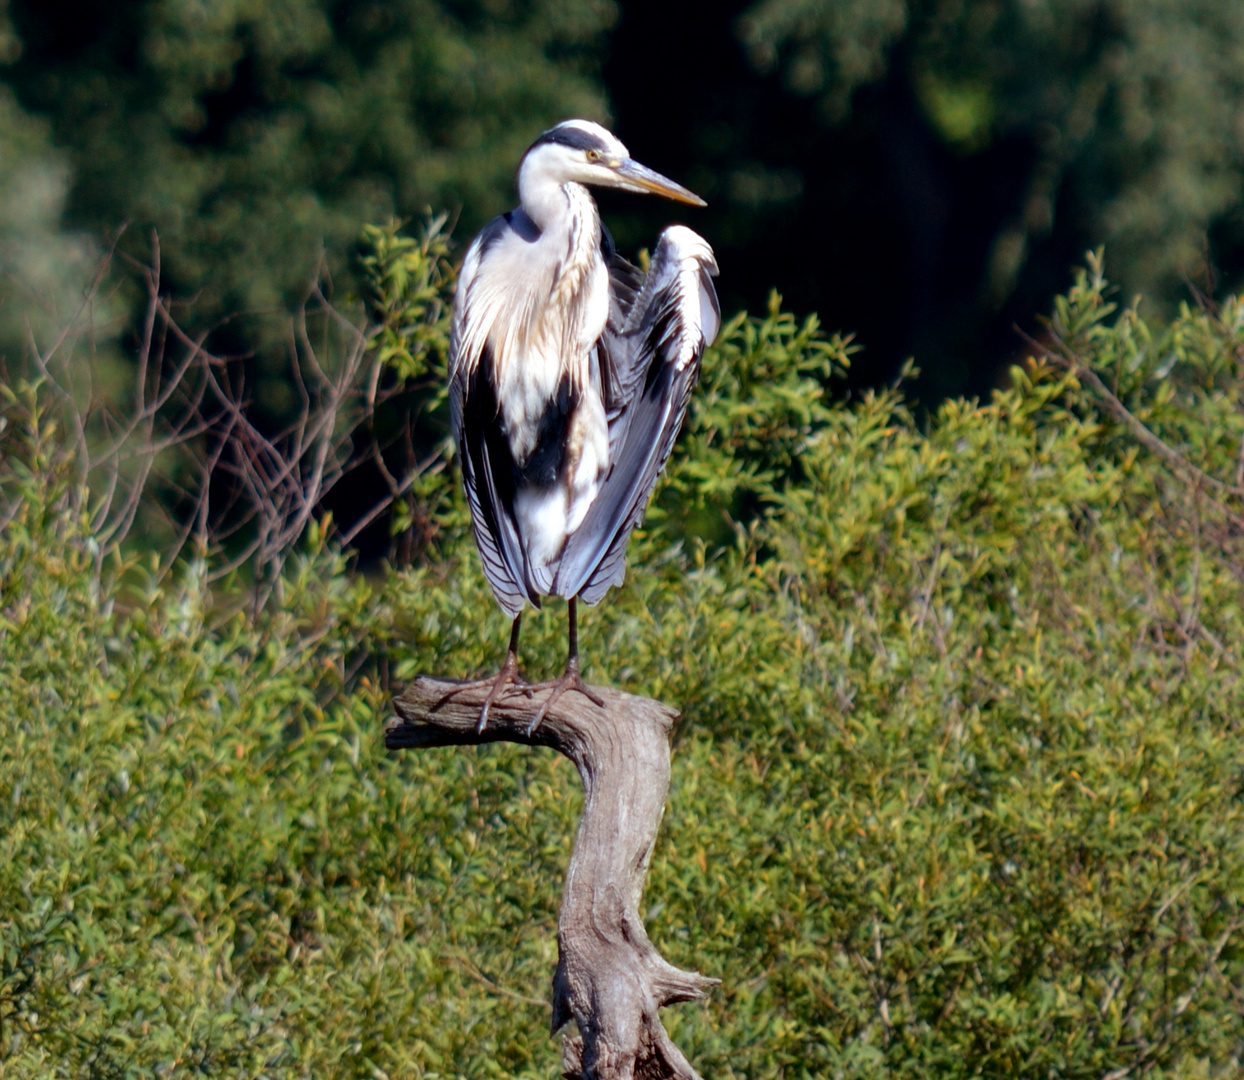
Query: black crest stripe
{"type": "Point", "coordinates": [574, 137]}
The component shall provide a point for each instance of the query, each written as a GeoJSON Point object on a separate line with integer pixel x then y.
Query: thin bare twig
{"type": "Point", "coordinates": [1066, 358]}
{"type": "Point", "coordinates": [233, 484]}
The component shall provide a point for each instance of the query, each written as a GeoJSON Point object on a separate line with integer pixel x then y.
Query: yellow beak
{"type": "Point", "coordinates": [640, 178]}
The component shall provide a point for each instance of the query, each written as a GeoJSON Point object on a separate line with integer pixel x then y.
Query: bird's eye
{"type": "Point", "coordinates": [593, 156]}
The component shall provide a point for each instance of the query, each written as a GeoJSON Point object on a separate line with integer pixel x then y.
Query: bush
{"type": "Point", "coordinates": [958, 788]}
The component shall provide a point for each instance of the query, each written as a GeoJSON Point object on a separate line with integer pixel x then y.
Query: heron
{"type": "Point", "coordinates": [570, 373]}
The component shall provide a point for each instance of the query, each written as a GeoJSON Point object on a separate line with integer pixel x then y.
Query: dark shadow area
{"type": "Point", "coordinates": [874, 224]}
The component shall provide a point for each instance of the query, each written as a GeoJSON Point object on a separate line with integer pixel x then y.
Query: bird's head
{"type": "Point", "coordinates": [582, 152]}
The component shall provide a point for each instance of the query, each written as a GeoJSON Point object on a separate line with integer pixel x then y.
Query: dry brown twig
{"type": "Point", "coordinates": [1063, 356]}
{"type": "Point", "coordinates": [115, 450]}
{"type": "Point", "coordinates": [184, 444]}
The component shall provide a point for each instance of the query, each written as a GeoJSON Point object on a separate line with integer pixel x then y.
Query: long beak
{"type": "Point", "coordinates": [640, 178]}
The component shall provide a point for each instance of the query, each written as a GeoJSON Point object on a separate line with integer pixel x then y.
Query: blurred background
{"type": "Point", "coordinates": [922, 173]}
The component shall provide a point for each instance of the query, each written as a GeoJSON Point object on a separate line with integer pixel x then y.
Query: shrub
{"type": "Point", "coordinates": [958, 788]}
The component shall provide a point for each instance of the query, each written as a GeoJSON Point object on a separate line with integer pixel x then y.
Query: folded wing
{"type": "Point", "coordinates": [487, 467]}
{"type": "Point", "coordinates": [650, 361]}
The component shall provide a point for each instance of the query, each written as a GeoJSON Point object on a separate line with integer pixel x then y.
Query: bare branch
{"type": "Point", "coordinates": [227, 477]}
{"type": "Point", "coordinates": [610, 979]}
{"type": "Point", "coordinates": [1066, 358]}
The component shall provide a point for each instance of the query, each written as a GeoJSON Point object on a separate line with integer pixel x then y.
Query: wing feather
{"type": "Point", "coordinates": [487, 467]}
{"type": "Point", "coordinates": [625, 284]}
{"type": "Point", "coordinates": [650, 363]}
{"type": "Point", "coordinates": [488, 477]}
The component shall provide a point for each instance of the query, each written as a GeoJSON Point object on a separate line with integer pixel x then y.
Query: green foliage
{"type": "Point", "coordinates": [253, 136]}
{"type": "Point", "coordinates": [40, 263]}
{"type": "Point", "coordinates": [957, 788]}
{"type": "Point", "coordinates": [757, 405]}
{"type": "Point", "coordinates": [410, 286]}
{"type": "Point", "coordinates": [409, 290]}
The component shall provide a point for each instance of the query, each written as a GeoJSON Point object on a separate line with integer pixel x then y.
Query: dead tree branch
{"type": "Point", "coordinates": [610, 979]}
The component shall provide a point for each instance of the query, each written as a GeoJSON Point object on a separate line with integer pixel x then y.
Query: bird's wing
{"type": "Point", "coordinates": [625, 284]}
{"type": "Point", "coordinates": [487, 468]}
{"type": "Point", "coordinates": [651, 362]}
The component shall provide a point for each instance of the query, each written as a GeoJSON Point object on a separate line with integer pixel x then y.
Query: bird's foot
{"type": "Point", "coordinates": [570, 679]}
{"type": "Point", "coordinates": [507, 677]}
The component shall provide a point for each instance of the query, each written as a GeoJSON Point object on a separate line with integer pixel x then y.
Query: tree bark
{"type": "Point", "coordinates": [610, 979]}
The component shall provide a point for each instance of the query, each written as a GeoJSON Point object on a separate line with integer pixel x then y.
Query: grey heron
{"type": "Point", "coordinates": [570, 372]}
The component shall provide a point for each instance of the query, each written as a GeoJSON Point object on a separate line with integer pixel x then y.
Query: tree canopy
{"type": "Point", "coordinates": [925, 172]}
{"type": "Point", "coordinates": [920, 172]}
{"type": "Point", "coordinates": [1133, 106]}
{"type": "Point", "coordinates": [256, 136]}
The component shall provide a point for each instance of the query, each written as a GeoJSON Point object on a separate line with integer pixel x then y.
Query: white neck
{"type": "Point", "coordinates": [547, 204]}
{"type": "Point", "coordinates": [567, 217]}
{"type": "Point", "coordinates": [546, 192]}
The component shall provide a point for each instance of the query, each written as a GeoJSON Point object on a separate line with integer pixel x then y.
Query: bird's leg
{"type": "Point", "coordinates": [507, 676]}
{"type": "Point", "coordinates": [570, 679]}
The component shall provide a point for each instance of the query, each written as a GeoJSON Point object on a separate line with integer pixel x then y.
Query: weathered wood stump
{"type": "Point", "coordinates": [610, 979]}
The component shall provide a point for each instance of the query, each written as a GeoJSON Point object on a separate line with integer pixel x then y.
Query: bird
{"type": "Point", "coordinates": [570, 373]}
